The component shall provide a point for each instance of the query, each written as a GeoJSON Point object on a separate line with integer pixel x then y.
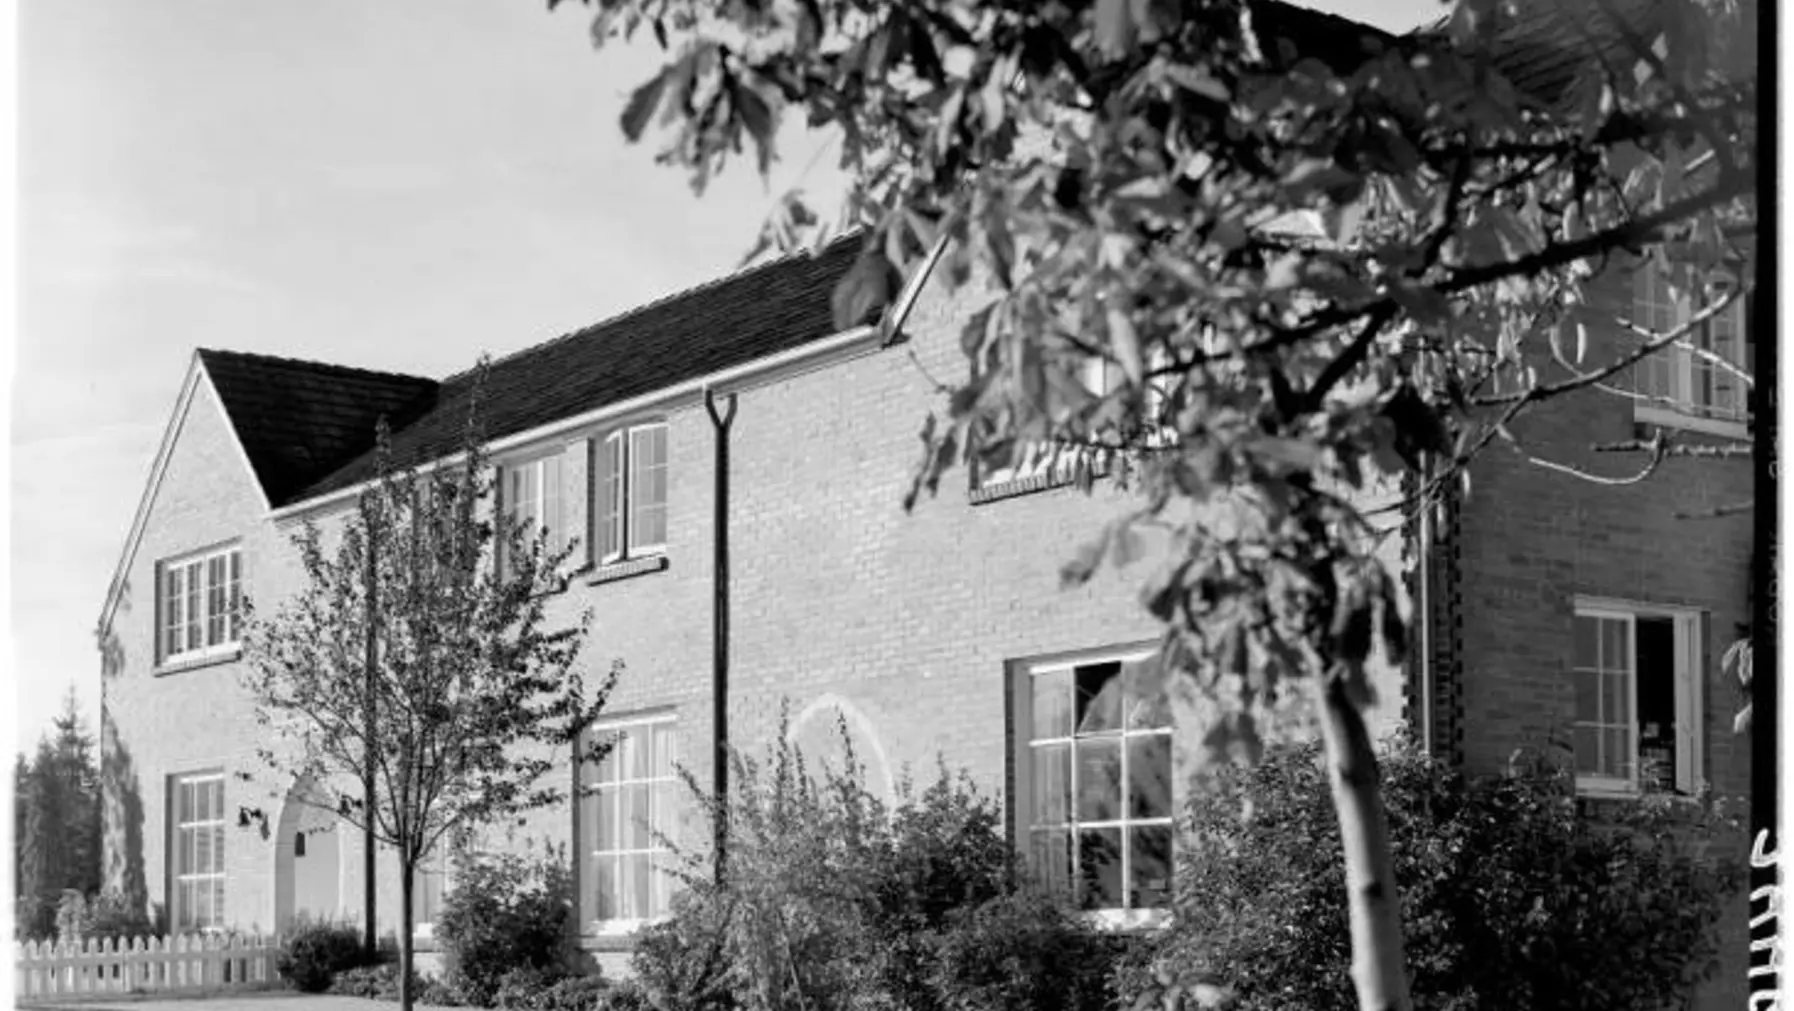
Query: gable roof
{"type": "Point", "coordinates": [307, 428]}
{"type": "Point", "coordinates": [298, 421]}
{"type": "Point", "coordinates": [758, 312]}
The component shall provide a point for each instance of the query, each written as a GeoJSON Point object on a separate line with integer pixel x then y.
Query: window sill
{"type": "Point", "coordinates": [1665, 417]}
{"type": "Point", "coordinates": [1127, 921]}
{"type": "Point", "coordinates": [184, 664]}
{"type": "Point", "coordinates": [1594, 798]}
{"type": "Point", "coordinates": [616, 935]}
{"type": "Point", "coordinates": [613, 571]}
{"type": "Point", "coordinates": [996, 491]}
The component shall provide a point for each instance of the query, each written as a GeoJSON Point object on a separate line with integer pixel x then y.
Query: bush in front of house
{"type": "Point", "coordinates": [534, 990]}
{"type": "Point", "coordinates": [506, 912]}
{"type": "Point", "coordinates": [1022, 952]}
{"type": "Point", "coordinates": [1514, 894]}
{"type": "Point", "coordinates": [381, 982]}
{"type": "Point", "coordinates": [833, 900]}
{"type": "Point", "coordinates": [111, 914]}
{"type": "Point", "coordinates": [314, 953]}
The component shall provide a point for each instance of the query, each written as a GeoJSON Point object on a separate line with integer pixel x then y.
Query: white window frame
{"type": "Point", "coordinates": [616, 482]}
{"type": "Point", "coordinates": [543, 465]}
{"type": "Point", "coordinates": [589, 850]}
{"type": "Point", "coordinates": [181, 852]}
{"type": "Point", "coordinates": [1690, 682]}
{"type": "Point", "coordinates": [1022, 677]}
{"type": "Point", "coordinates": [1680, 369]}
{"type": "Point", "coordinates": [208, 598]}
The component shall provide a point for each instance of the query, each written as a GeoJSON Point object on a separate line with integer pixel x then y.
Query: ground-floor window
{"type": "Point", "coordinates": [1093, 785]}
{"type": "Point", "coordinates": [624, 862]}
{"type": "Point", "coordinates": [196, 849]}
{"type": "Point", "coordinates": [1636, 673]}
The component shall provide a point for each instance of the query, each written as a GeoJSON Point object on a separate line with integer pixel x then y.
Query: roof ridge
{"type": "Point", "coordinates": [738, 274]}
{"type": "Point", "coordinates": [312, 364]}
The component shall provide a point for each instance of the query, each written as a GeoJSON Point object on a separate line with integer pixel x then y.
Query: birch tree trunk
{"type": "Point", "coordinates": [1379, 966]}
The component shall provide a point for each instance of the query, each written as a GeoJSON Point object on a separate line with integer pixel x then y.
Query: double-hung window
{"type": "Point", "coordinates": [532, 499]}
{"type": "Point", "coordinates": [196, 848]}
{"type": "Point", "coordinates": [1637, 683]}
{"type": "Point", "coordinates": [199, 601]}
{"type": "Point", "coordinates": [1692, 380]}
{"type": "Point", "coordinates": [1094, 797]}
{"type": "Point", "coordinates": [632, 493]}
{"type": "Point", "coordinates": [625, 822]}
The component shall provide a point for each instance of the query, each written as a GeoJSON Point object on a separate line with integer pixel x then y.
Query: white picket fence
{"type": "Point", "coordinates": [110, 965]}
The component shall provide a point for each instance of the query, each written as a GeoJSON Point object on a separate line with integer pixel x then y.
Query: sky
{"type": "Point", "coordinates": [397, 186]}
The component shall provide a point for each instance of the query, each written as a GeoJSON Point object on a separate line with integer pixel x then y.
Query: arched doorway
{"type": "Point", "coordinates": [307, 859]}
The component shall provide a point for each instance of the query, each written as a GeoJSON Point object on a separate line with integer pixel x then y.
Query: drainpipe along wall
{"type": "Point", "coordinates": [721, 421]}
{"type": "Point", "coordinates": [719, 687]}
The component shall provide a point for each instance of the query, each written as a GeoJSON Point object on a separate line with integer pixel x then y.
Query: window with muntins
{"type": "Point", "coordinates": [1691, 379]}
{"type": "Point", "coordinates": [1637, 683]}
{"type": "Point", "coordinates": [532, 494]}
{"type": "Point", "coordinates": [625, 879]}
{"type": "Point", "coordinates": [200, 600]}
{"type": "Point", "coordinates": [632, 493]}
{"type": "Point", "coordinates": [1094, 803]}
{"type": "Point", "coordinates": [196, 847]}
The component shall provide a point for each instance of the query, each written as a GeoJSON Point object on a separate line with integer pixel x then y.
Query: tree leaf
{"type": "Point", "coordinates": [1198, 80]}
{"type": "Point", "coordinates": [1424, 303]}
{"type": "Point", "coordinates": [758, 118]}
{"type": "Point", "coordinates": [642, 104]}
{"type": "Point", "coordinates": [1114, 28]}
{"type": "Point", "coordinates": [1126, 345]}
{"type": "Point", "coordinates": [1084, 563]}
{"type": "Point", "coordinates": [865, 290]}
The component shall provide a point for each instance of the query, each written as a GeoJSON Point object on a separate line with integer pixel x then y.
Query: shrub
{"type": "Point", "coordinates": [1022, 952]}
{"type": "Point", "coordinates": [111, 914]}
{"type": "Point", "coordinates": [522, 987]}
{"type": "Point", "coordinates": [683, 962]}
{"type": "Point", "coordinates": [378, 982]}
{"type": "Point", "coordinates": [532, 990]}
{"type": "Point", "coordinates": [833, 900]}
{"type": "Point", "coordinates": [381, 982]}
{"type": "Point", "coordinates": [316, 952]}
{"type": "Point", "coordinates": [1513, 896]}
{"type": "Point", "coordinates": [506, 912]}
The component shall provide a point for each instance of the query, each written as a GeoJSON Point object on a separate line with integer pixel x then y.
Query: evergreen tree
{"type": "Point", "coordinates": [56, 822]}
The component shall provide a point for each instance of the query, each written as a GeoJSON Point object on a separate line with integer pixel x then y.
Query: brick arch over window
{"type": "Point", "coordinates": [815, 731]}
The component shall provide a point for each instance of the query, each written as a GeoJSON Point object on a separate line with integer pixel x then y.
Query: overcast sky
{"type": "Point", "coordinates": [398, 186]}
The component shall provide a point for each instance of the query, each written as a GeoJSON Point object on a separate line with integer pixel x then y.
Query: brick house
{"type": "Point", "coordinates": [1550, 605]}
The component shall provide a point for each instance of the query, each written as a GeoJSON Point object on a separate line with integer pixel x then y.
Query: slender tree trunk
{"type": "Point", "coordinates": [1379, 967]}
{"type": "Point", "coordinates": [367, 779]}
{"type": "Point", "coordinates": [407, 868]}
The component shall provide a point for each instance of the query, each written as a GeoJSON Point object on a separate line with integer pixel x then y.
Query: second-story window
{"type": "Point", "coordinates": [200, 599]}
{"type": "Point", "coordinates": [532, 492]}
{"type": "Point", "coordinates": [1694, 377]}
{"type": "Point", "coordinates": [632, 493]}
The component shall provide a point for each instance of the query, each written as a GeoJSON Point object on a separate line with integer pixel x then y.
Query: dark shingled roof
{"type": "Point", "coordinates": [309, 428]}
{"type": "Point", "coordinates": [761, 311]}
{"type": "Point", "coordinates": [298, 421]}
